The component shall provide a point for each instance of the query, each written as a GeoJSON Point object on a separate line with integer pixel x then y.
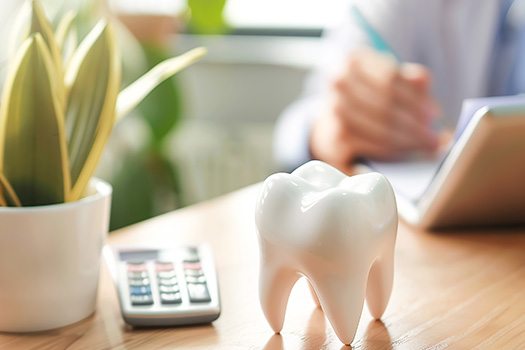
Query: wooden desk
{"type": "Point", "coordinates": [462, 290]}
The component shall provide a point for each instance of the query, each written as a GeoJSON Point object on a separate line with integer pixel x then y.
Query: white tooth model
{"type": "Point", "coordinates": [337, 231]}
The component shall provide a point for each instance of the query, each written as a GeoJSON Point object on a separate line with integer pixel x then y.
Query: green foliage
{"type": "Point", "coordinates": [93, 80]}
{"type": "Point", "coordinates": [161, 108]}
{"type": "Point", "coordinates": [207, 16]}
{"type": "Point", "coordinates": [56, 118]}
{"type": "Point", "coordinates": [146, 183]}
{"type": "Point", "coordinates": [133, 188]}
{"type": "Point", "coordinates": [33, 153]}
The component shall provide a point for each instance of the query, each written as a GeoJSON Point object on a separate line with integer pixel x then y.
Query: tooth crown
{"type": "Point", "coordinates": [337, 231]}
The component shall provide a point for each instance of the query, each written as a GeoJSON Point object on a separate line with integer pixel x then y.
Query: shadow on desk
{"type": "Point", "coordinates": [314, 337]}
{"type": "Point", "coordinates": [473, 239]}
{"type": "Point", "coordinates": [376, 337]}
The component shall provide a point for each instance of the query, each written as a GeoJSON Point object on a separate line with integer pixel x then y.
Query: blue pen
{"type": "Point", "coordinates": [380, 45]}
{"type": "Point", "coordinates": [375, 38]}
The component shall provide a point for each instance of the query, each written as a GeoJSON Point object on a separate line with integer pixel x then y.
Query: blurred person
{"type": "Point", "coordinates": [360, 103]}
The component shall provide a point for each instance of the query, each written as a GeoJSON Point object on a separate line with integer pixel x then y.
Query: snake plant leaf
{"type": "Point", "coordinates": [40, 24]}
{"type": "Point", "coordinates": [8, 196]}
{"type": "Point", "coordinates": [93, 81]}
{"type": "Point", "coordinates": [66, 36]}
{"type": "Point", "coordinates": [64, 28]}
{"type": "Point", "coordinates": [33, 154]}
{"type": "Point", "coordinates": [132, 95]}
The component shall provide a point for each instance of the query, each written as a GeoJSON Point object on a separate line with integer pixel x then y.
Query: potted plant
{"type": "Point", "coordinates": [56, 116]}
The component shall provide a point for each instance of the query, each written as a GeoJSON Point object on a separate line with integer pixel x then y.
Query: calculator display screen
{"type": "Point", "coordinates": [131, 255]}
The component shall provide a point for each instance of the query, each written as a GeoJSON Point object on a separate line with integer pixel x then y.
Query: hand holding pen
{"type": "Point", "coordinates": [379, 108]}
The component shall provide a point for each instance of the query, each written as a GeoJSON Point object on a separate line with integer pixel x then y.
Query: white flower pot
{"type": "Point", "coordinates": [50, 260]}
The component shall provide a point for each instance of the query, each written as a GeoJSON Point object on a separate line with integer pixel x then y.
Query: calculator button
{"type": "Point", "coordinates": [145, 299]}
{"type": "Point", "coordinates": [191, 256]}
{"type": "Point", "coordinates": [166, 274]}
{"type": "Point", "coordinates": [195, 279]}
{"type": "Point", "coordinates": [169, 289]}
{"type": "Point", "coordinates": [138, 282]}
{"type": "Point", "coordinates": [164, 266]}
{"type": "Point", "coordinates": [136, 267]}
{"type": "Point", "coordinates": [137, 274]}
{"type": "Point", "coordinates": [191, 259]}
{"type": "Point", "coordinates": [189, 272]}
{"type": "Point", "coordinates": [191, 250]}
{"type": "Point", "coordinates": [136, 262]}
{"type": "Point", "coordinates": [168, 281]}
{"type": "Point", "coordinates": [170, 298]}
{"type": "Point", "coordinates": [142, 290]}
{"type": "Point", "coordinates": [198, 293]}
{"type": "Point", "coordinates": [163, 262]}
{"type": "Point", "coordinates": [192, 266]}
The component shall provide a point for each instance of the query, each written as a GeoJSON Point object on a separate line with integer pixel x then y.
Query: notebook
{"type": "Point", "coordinates": [480, 178]}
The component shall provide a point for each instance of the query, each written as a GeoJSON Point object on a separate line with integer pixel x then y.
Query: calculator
{"type": "Point", "coordinates": [165, 286]}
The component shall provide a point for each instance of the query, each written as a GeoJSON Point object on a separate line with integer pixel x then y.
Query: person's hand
{"type": "Point", "coordinates": [378, 109]}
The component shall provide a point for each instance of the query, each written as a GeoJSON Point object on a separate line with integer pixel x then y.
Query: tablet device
{"type": "Point", "coordinates": [480, 181]}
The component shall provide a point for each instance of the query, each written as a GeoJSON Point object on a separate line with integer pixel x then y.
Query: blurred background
{"type": "Point", "coordinates": [208, 130]}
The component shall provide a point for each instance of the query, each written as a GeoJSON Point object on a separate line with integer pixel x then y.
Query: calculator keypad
{"type": "Point", "coordinates": [139, 284]}
{"type": "Point", "coordinates": [165, 286]}
{"type": "Point", "coordinates": [170, 284]}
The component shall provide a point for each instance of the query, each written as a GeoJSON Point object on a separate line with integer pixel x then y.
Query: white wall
{"type": "Point", "coordinates": [232, 99]}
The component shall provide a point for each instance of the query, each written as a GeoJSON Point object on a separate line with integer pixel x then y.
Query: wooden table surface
{"type": "Point", "coordinates": [459, 290]}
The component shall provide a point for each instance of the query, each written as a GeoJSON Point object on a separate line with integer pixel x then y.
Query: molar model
{"type": "Point", "coordinates": [337, 231]}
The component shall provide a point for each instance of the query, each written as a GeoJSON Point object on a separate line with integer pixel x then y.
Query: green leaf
{"type": "Point", "coordinates": [40, 24]}
{"type": "Point", "coordinates": [207, 16]}
{"type": "Point", "coordinates": [66, 35]}
{"type": "Point", "coordinates": [33, 153]}
{"type": "Point", "coordinates": [133, 191]}
{"type": "Point", "coordinates": [8, 196]}
{"type": "Point", "coordinates": [64, 28]}
{"type": "Point", "coordinates": [132, 95]}
{"type": "Point", "coordinates": [93, 81]}
{"type": "Point", "coordinates": [30, 20]}
{"type": "Point", "coordinates": [161, 109]}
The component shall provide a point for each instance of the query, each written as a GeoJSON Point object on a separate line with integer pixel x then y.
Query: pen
{"type": "Point", "coordinates": [378, 43]}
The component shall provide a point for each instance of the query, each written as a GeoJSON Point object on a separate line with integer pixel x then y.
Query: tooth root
{"type": "Point", "coordinates": [342, 302]}
{"type": "Point", "coordinates": [380, 281]}
{"type": "Point", "coordinates": [275, 285]}
{"type": "Point", "coordinates": [314, 295]}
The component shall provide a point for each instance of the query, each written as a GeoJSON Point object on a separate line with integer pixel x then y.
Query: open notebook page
{"type": "Point", "coordinates": [408, 178]}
